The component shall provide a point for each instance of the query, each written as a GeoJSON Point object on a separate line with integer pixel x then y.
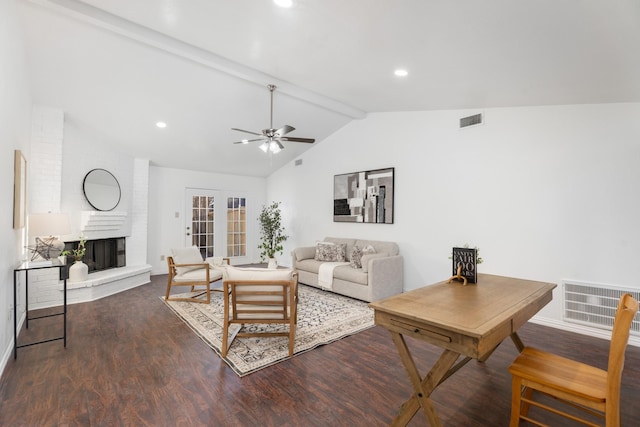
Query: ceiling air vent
{"type": "Point", "coordinates": [298, 162]}
{"type": "Point", "coordinates": [471, 120]}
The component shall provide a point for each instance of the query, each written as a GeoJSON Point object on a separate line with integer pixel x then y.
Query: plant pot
{"type": "Point", "coordinates": [78, 272]}
{"type": "Point", "coordinates": [273, 264]}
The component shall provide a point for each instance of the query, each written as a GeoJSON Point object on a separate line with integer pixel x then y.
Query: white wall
{"type": "Point", "coordinates": [83, 151]}
{"type": "Point", "coordinates": [167, 196]}
{"type": "Point", "coordinates": [15, 110]}
{"type": "Point", "coordinates": [546, 193]}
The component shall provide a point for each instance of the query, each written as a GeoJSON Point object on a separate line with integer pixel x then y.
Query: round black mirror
{"type": "Point", "coordinates": [101, 189]}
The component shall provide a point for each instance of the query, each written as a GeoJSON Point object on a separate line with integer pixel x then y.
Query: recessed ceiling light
{"type": "Point", "coordinates": [284, 3]}
{"type": "Point", "coordinates": [161, 125]}
{"type": "Point", "coordinates": [401, 73]}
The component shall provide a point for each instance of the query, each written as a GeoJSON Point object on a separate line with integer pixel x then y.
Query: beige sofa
{"type": "Point", "coordinates": [379, 276]}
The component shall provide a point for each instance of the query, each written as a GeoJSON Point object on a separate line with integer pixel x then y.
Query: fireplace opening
{"type": "Point", "coordinates": [102, 254]}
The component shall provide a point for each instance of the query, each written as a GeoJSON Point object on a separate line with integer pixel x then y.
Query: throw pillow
{"type": "Point", "coordinates": [367, 250]}
{"type": "Point", "coordinates": [216, 261]}
{"type": "Point", "coordinates": [331, 252]}
{"type": "Point", "coordinates": [356, 257]}
{"type": "Point", "coordinates": [190, 255]}
{"type": "Point", "coordinates": [368, 257]}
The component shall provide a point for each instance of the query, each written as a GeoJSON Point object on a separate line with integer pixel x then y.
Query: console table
{"type": "Point", "coordinates": [27, 267]}
{"type": "Point", "coordinates": [469, 321]}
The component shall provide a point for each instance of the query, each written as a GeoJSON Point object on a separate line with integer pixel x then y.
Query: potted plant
{"type": "Point", "coordinates": [271, 233]}
{"type": "Point", "coordinates": [77, 253]}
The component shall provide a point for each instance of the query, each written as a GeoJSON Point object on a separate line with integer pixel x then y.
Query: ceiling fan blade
{"type": "Point", "coordinates": [247, 131]}
{"type": "Point", "coordinates": [284, 130]}
{"type": "Point", "coordinates": [279, 144]}
{"type": "Point", "coordinates": [246, 141]}
{"type": "Point", "coordinates": [295, 139]}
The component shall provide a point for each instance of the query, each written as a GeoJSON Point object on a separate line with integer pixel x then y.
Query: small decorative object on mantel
{"type": "Point", "coordinates": [271, 233]}
{"type": "Point", "coordinates": [465, 264]}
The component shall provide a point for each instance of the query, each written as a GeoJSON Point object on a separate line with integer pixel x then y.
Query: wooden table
{"type": "Point", "coordinates": [469, 321]}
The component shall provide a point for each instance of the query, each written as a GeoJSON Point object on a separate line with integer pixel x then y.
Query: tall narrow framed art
{"type": "Point", "coordinates": [365, 197]}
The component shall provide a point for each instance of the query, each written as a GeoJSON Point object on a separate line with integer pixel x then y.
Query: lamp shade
{"type": "Point", "coordinates": [49, 224]}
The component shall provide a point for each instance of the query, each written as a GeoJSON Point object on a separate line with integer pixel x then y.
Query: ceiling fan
{"type": "Point", "coordinates": [272, 138]}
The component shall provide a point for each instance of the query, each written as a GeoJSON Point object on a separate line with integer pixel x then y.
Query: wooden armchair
{"type": "Point", "coordinates": [186, 268]}
{"type": "Point", "coordinates": [260, 296]}
{"type": "Point", "coordinates": [586, 389]}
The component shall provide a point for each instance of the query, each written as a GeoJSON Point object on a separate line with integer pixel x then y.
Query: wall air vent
{"type": "Point", "coordinates": [595, 305]}
{"type": "Point", "coordinates": [476, 119]}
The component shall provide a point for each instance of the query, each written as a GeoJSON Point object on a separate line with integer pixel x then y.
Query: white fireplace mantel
{"type": "Point", "coordinates": [104, 225]}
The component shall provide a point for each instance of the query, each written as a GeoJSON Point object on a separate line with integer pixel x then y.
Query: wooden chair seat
{"type": "Point", "coordinates": [565, 378]}
{"type": "Point", "coordinates": [580, 387]}
{"type": "Point", "coordinates": [197, 275]}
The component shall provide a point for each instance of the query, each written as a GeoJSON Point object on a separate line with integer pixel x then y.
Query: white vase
{"type": "Point", "coordinates": [273, 263]}
{"type": "Point", "coordinates": [78, 272]}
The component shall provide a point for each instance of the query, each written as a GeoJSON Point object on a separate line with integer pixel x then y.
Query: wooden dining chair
{"type": "Point", "coordinates": [585, 388]}
{"type": "Point", "coordinates": [259, 296]}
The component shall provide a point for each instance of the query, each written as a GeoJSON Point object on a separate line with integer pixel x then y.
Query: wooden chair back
{"type": "Point", "coordinates": [625, 313]}
{"type": "Point", "coordinates": [260, 302]}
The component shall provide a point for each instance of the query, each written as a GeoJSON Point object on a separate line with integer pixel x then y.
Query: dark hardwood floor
{"type": "Point", "coordinates": [130, 361]}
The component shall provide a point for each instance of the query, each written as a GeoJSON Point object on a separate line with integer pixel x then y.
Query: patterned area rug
{"type": "Point", "coordinates": [323, 317]}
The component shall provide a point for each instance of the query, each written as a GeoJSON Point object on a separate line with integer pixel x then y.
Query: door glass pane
{"type": "Point", "coordinates": [202, 224]}
{"type": "Point", "coordinates": [236, 226]}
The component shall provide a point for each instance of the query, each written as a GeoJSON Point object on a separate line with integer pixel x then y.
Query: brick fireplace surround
{"type": "Point", "coordinates": [55, 185]}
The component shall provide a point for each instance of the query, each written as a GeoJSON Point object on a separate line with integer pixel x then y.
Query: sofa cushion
{"type": "Point", "coordinates": [333, 252]}
{"type": "Point", "coordinates": [345, 272]}
{"type": "Point", "coordinates": [355, 260]}
{"type": "Point", "coordinates": [310, 265]}
{"type": "Point", "coordinates": [368, 257]}
{"type": "Point", "coordinates": [307, 252]}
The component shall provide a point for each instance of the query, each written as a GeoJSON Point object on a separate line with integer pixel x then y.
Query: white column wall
{"type": "Point", "coordinates": [45, 166]}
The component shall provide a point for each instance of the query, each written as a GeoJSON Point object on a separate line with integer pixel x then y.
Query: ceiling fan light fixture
{"type": "Point", "coordinates": [274, 147]}
{"type": "Point", "coordinates": [271, 137]}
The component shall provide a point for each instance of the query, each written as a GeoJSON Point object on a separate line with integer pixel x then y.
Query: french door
{"type": "Point", "coordinates": [216, 222]}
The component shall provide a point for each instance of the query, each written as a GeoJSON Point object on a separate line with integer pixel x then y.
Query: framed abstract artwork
{"type": "Point", "coordinates": [365, 197]}
{"type": "Point", "coordinates": [19, 190]}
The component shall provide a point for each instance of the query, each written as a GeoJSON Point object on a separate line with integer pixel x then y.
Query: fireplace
{"type": "Point", "coordinates": [102, 254]}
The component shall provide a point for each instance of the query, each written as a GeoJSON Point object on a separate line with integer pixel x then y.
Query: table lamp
{"type": "Point", "coordinates": [45, 227]}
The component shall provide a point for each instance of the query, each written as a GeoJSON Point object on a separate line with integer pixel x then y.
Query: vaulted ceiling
{"type": "Point", "coordinates": [202, 66]}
